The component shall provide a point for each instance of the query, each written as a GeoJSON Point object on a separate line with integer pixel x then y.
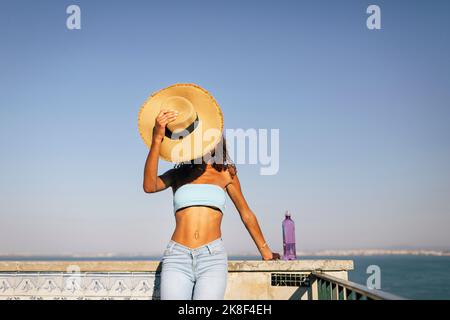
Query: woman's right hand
{"type": "Point", "coordinates": [161, 121]}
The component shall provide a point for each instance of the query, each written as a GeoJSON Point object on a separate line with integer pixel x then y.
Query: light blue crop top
{"type": "Point", "coordinates": [195, 194]}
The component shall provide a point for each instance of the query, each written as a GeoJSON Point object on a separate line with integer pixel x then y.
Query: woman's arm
{"type": "Point", "coordinates": [249, 219]}
{"type": "Point", "coordinates": [153, 182]}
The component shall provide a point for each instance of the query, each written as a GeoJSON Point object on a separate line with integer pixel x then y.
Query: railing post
{"type": "Point", "coordinates": [344, 293]}
{"type": "Point", "coordinates": [314, 289]}
{"type": "Point", "coordinates": [334, 291]}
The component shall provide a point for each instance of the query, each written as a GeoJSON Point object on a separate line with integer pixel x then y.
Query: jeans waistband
{"type": "Point", "coordinates": [206, 247]}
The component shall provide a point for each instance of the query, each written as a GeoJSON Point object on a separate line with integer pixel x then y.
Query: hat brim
{"type": "Point", "coordinates": [198, 143]}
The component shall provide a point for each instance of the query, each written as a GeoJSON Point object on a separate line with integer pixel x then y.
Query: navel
{"type": "Point", "coordinates": [196, 234]}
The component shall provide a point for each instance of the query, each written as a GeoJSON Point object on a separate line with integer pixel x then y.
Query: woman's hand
{"type": "Point", "coordinates": [161, 121]}
{"type": "Point", "coordinates": [153, 182]}
{"type": "Point", "coordinates": [271, 256]}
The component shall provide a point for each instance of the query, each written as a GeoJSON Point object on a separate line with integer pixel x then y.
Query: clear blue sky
{"type": "Point", "coordinates": [364, 119]}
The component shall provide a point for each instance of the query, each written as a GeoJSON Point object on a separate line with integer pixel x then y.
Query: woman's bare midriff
{"type": "Point", "coordinates": [197, 225]}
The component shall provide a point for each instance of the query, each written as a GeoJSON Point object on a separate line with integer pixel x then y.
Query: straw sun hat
{"type": "Point", "coordinates": [197, 128]}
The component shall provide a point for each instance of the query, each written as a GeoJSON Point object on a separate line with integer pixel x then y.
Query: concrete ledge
{"type": "Point", "coordinates": [154, 265]}
{"type": "Point", "coordinates": [293, 265]}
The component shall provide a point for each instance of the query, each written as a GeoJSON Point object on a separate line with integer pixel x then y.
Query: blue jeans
{"type": "Point", "coordinates": [198, 274]}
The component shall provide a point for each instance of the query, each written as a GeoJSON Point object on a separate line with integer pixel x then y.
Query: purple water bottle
{"type": "Point", "coordinates": [288, 227]}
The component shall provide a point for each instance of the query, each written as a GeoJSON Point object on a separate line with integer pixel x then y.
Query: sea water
{"type": "Point", "coordinates": [408, 276]}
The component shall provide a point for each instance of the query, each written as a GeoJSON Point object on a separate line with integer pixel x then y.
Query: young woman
{"type": "Point", "coordinates": [194, 264]}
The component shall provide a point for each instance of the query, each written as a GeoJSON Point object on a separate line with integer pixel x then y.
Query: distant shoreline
{"type": "Point", "coordinates": [323, 253]}
{"type": "Point", "coordinates": [377, 252]}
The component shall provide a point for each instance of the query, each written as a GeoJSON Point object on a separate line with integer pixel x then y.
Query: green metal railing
{"type": "Point", "coordinates": [326, 287]}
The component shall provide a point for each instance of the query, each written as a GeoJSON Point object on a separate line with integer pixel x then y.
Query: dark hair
{"type": "Point", "coordinates": [189, 171]}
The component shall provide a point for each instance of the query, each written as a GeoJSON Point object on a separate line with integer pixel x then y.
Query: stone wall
{"type": "Point", "coordinates": [140, 279]}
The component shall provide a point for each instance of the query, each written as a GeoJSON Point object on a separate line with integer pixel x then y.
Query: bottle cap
{"type": "Point", "coordinates": [287, 214]}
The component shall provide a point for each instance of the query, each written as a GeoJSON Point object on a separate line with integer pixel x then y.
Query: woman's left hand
{"type": "Point", "coordinates": [274, 256]}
